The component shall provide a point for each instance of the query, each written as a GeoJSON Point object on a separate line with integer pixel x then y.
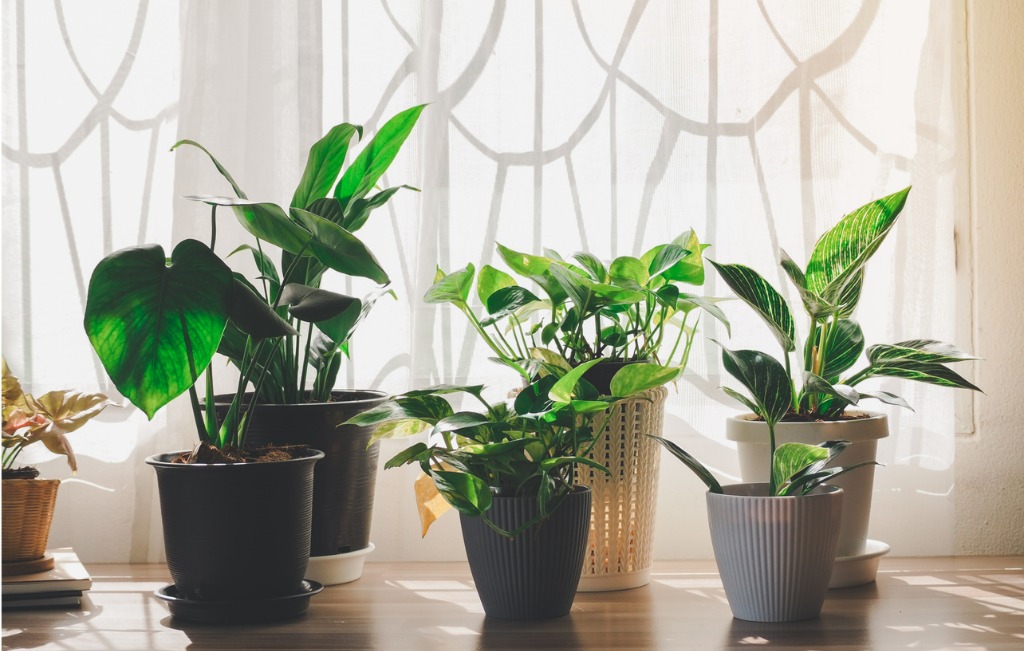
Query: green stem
{"type": "Point", "coordinates": [771, 458]}
{"type": "Point", "coordinates": [305, 359]}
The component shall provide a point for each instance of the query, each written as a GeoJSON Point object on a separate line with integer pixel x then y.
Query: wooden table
{"type": "Point", "coordinates": [925, 603]}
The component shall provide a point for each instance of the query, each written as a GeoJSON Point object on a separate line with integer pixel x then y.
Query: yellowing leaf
{"type": "Point", "coordinates": [69, 410]}
{"type": "Point", "coordinates": [429, 501]}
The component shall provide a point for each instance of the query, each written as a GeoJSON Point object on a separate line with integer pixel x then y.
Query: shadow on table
{"type": "Point", "coordinates": [61, 626]}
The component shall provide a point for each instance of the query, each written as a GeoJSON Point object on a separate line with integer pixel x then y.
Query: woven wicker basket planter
{"type": "Point", "coordinates": [27, 513]}
{"type": "Point", "coordinates": [619, 549]}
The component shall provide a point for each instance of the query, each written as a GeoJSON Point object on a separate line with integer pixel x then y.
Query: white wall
{"type": "Point", "coordinates": [989, 489]}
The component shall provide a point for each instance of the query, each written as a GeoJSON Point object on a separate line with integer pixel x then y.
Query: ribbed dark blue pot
{"type": "Point", "coordinates": [535, 574]}
{"type": "Point", "coordinates": [236, 531]}
{"type": "Point", "coordinates": [344, 481]}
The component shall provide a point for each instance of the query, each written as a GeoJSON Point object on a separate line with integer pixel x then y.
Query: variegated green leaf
{"type": "Point", "coordinates": [817, 384]}
{"type": "Point", "coordinates": [491, 280]}
{"type": "Point", "coordinates": [564, 389]}
{"type": "Point", "coordinates": [766, 301]}
{"type": "Point", "coordinates": [886, 397]}
{"type": "Point", "coordinates": [691, 462]}
{"type": "Point", "coordinates": [765, 378]}
{"type": "Point", "coordinates": [917, 350]}
{"type": "Point", "coordinates": [840, 254]}
{"type": "Point", "coordinates": [792, 458]}
{"type": "Point", "coordinates": [926, 372]}
{"type": "Point", "coordinates": [844, 347]}
{"type": "Point", "coordinates": [813, 304]}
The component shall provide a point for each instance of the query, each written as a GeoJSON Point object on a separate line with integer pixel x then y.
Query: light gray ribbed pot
{"type": "Point", "coordinates": [774, 554]}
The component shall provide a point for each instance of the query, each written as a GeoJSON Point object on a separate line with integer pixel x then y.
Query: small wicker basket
{"type": "Point", "coordinates": [27, 513]}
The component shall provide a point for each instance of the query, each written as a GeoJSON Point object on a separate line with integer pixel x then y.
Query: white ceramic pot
{"type": "Point", "coordinates": [751, 437]}
{"type": "Point", "coordinates": [774, 554]}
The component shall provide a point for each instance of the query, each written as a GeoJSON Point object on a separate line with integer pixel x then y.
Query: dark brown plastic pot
{"type": "Point", "coordinates": [236, 531]}
{"type": "Point", "coordinates": [345, 479]}
{"type": "Point", "coordinates": [535, 574]}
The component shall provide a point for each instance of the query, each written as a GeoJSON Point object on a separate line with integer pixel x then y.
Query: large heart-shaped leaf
{"type": "Point", "coordinates": [491, 280]}
{"type": "Point", "coordinates": [840, 254]}
{"type": "Point", "coordinates": [339, 249]}
{"type": "Point", "coordinates": [592, 264]}
{"type": "Point", "coordinates": [155, 326]}
{"type": "Point", "coordinates": [323, 165]}
{"type": "Point", "coordinates": [467, 493]}
{"type": "Point", "coordinates": [635, 378]}
{"type": "Point", "coordinates": [629, 272]}
{"type": "Point", "coordinates": [564, 389]}
{"type": "Point", "coordinates": [536, 269]}
{"type": "Point", "coordinates": [764, 378]}
{"type": "Point", "coordinates": [371, 163]}
{"type": "Point", "coordinates": [766, 301]}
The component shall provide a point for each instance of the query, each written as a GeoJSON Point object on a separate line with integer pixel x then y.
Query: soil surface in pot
{"type": "Point", "coordinates": [807, 418]}
{"type": "Point", "coordinates": [27, 472]}
{"type": "Point", "coordinates": [206, 453]}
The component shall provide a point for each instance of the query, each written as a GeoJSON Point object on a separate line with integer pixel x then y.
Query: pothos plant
{"type": "Point", "coordinates": [156, 322]}
{"type": "Point", "coordinates": [822, 384]}
{"type": "Point", "coordinates": [525, 446]}
{"type": "Point", "coordinates": [633, 309]}
{"type": "Point", "coordinates": [28, 420]}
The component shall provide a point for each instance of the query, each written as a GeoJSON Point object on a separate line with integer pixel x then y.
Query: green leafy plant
{"type": "Point", "coordinates": [28, 420]}
{"type": "Point", "coordinates": [315, 234]}
{"type": "Point", "coordinates": [526, 446]}
{"type": "Point", "coordinates": [156, 322]}
{"type": "Point", "coordinates": [830, 289]}
{"type": "Point", "coordinates": [632, 309]}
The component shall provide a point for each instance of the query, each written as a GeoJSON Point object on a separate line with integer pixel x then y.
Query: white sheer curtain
{"type": "Point", "coordinates": [605, 126]}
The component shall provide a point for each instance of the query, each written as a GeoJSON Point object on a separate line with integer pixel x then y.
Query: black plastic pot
{"type": "Point", "coordinates": [535, 574]}
{"type": "Point", "coordinates": [600, 374]}
{"type": "Point", "coordinates": [345, 479]}
{"type": "Point", "coordinates": [236, 531]}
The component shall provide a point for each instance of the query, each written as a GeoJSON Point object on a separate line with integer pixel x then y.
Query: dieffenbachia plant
{"type": "Point", "coordinates": [633, 309]}
{"type": "Point", "coordinates": [156, 322]}
{"type": "Point", "coordinates": [526, 446]}
{"type": "Point", "coordinates": [830, 288]}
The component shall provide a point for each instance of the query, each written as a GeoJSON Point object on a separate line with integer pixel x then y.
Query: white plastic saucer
{"type": "Point", "coordinates": [859, 569]}
{"type": "Point", "coordinates": [338, 568]}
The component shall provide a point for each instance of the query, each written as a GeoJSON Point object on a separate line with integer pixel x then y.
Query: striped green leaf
{"type": "Point", "coordinates": [691, 462]}
{"type": "Point", "coordinates": [766, 301]}
{"type": "Point", "coordinates": [790, 459]}
{"type": "Point", "coordinates": [917, 350]}
{"type": "Point", "coordinates": [927, 372]}
{"type": "Point", "coordinates": [817, 384]}
{"type": "Point", "coordinates": [766, 380]}
{"type": "Point", "coordinates": [813, 304]}
{"type": "Point", "coordinates": [840, 254]}
{"type": "Point", "coordinates": [887, 398]}
{"type": "Point", "coordinates": [843, 348]}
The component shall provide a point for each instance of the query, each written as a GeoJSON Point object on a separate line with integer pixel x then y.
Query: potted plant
{"type": "Point", "coordinates": [236, 523]}
{"type": "Point", "coordinates": [28, 502]}
{"type": "Point", "coordinates": [508, 470]}
{"type": "Point", "coordinates": [631, 313]}
{"type": "Point", "coordinates": [298, 403]}
{"type": "Point", "coordinates": [774, 541]}
{"type": "Point", "coordinates": [822, 384]}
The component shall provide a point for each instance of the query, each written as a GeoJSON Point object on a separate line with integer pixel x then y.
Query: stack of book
{"type": "Point", "coordinates": [60, 587]}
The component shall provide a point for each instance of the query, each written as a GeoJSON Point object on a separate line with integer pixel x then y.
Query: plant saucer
{"type": "Point", "coordinates": [859, 569]}
{"type": "Point", "coordinates": [240, 611]}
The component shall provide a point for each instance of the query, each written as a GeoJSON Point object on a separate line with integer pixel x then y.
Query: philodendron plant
{"type": "Point", "coordinates": [633, 309]}
{"type": "Point", "coordinates": [830, 289]}
{"type": "Point", "coordinates": [315, 233]}
{"type": "Point", "coordinates": [156, 322]}
{"type": "Point", "coordinates": [525, 446]}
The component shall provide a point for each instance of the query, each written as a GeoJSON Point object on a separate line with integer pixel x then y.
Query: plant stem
{"type": "Point", "coordinates": [771, 458]}
{"type": "Point", "coordinates": [305, 359]}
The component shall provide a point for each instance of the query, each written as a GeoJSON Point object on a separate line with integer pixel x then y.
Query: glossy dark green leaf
{"type": "Point", "coordinates": [691, 462]}
{"type": "Point", "coordinates": [323, 164]}
{"type": "Point", "coordinates": [509, 299]}
{"type": "Point", "coordinates": [371, 163]}
{"type": "Point", "coordinates": [467, 493]}
{"type": "Point", "coordinates": [263, 263]}
{"type": "Point", "coordinates": [311, 304]}
{"type": "Point", "coordinates": [267, 221]}
{"type": "Point", "coordinates": [635, 378]}
{"type": "Point", "coordinates": [764, 378]}
{"type": "Point", "coordinates": [926, 372]}
{"type": "Point", "coordinates": [806, 483]}
{"type": "Point", "coordinates": [813, 304]}
{"type": "Point", "coordinates": [441, 389]}
{"type": "Point", "coordinates": [216, 163]}
{"type": "Point", "coordinates": [792, 458]}
{"type": "Point", "coordinates": [576, 287]}
{"type": "Point", "coordinates": [663, 258]}
{"type": "Point", "coordinates": [427, 408]}
{"type": "Point", "coordinates": [536, 269]}
{"type": "Point", "coordinates": [917, 350]}
{"type": "Point", "coordinates": [840, 254]}
{"type": "Point", "coordinates": [408, 455]}
{"type": "Point", "coordinates": [342, 326]}
{"type": "Point", "coordinates": [461, 420]}
{"type": "Point", "coordinates": [251, 314]}
{"type": "Point", "coordinates": [844, 347]}
{"type": "Point", "coordinates": [143, 316]}
{"type": "Point", "coordinates": [534, 396]}
{"type": "Point", "coordinates": [758, 294]}
{"type": "Point", "coordinates": [340, 250]}
{"type": "Point", "coordinates": [817, 384]}
{"type": "Point", "coordinates": [886, 397]}
{"type": "Point", "coordinates": [452, 288]}
{"type": "Point", "coordinates": [329, 208]}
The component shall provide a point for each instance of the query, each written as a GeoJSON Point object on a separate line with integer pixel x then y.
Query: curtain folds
{"type": "Point", "coordinates": [610, 127]}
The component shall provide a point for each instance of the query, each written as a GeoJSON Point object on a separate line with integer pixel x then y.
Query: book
{"type": "Point", "coordinates": [68, 575]}
{"type": "Point", "coordinates": [61, 599]}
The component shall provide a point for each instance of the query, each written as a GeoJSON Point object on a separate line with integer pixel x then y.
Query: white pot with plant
{"type": "Point", "coordinates": [821, 385]}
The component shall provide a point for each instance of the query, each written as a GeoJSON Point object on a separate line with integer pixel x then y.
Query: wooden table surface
{"type": "Point", "coordinates": [923, 603]}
